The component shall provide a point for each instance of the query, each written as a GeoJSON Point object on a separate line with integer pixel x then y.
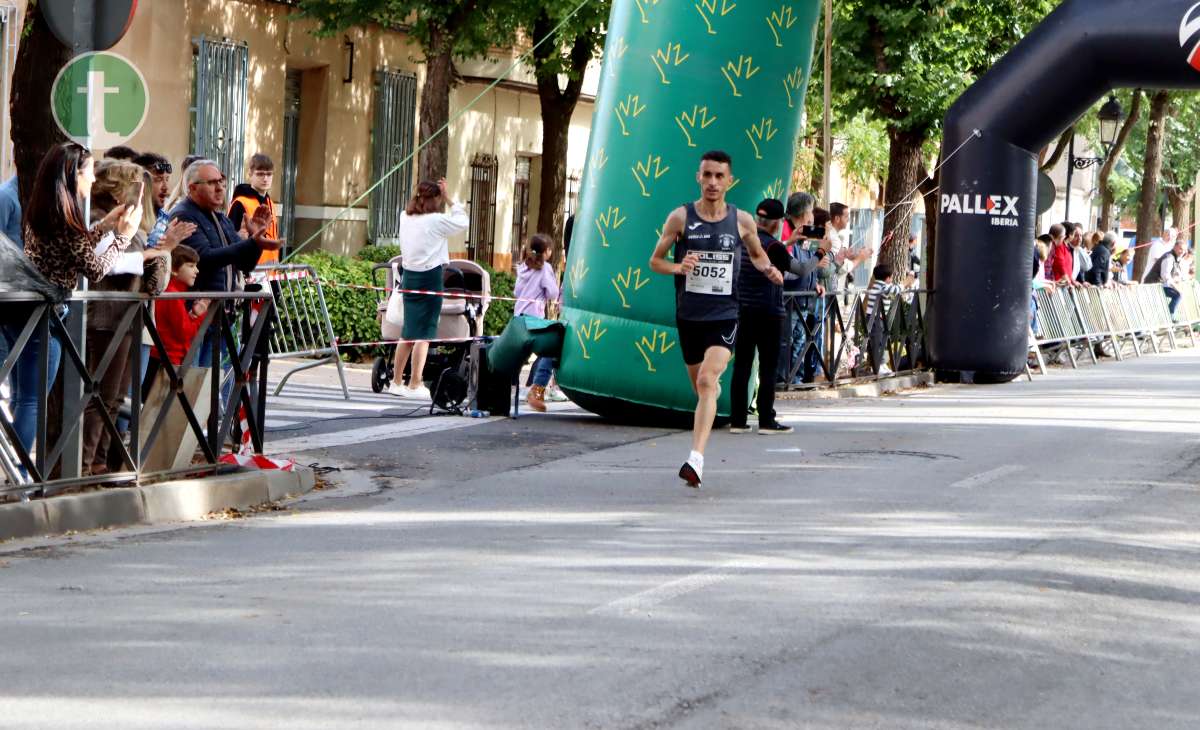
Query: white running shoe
{"type": "Point", "coordinates": [419, 393]}
{"type": "Point", "coordinates": [554, 395]}
{"type": "Point", "coordinates": [398, 389]}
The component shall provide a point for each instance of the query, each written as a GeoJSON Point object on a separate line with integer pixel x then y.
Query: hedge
{"type": "Point", "coordinates": [353, 312]}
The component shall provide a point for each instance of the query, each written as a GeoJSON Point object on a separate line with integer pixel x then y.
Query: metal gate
{"type": "Point", "coordinates": [291, 152]}
{"type": "Point", "coordinates": [481, 240]}
{"type": "Point", "coordinates": [392, 142]}
{"type": "Point", "coordinates": [520, 227]}
{"type": "Point", "coordinates": [219, 104]}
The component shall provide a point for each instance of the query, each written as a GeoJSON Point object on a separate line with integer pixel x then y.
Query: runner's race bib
{"type": "Point", "coordinates": [713, 274]}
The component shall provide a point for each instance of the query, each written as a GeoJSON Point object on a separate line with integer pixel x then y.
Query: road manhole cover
{"type": "Point", "coordinates": [888, 453]}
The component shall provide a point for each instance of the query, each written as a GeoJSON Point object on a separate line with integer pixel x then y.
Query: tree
{"type": "Point", "coordinates": [33, 129]}
{"type": "Point", "coordinates": [903, 62]}
{"type": "Point", "coordinates": [1181, 160]}
{"type": "Point", "coordinates": [567, 54]}
{"type": "Point", "coordinates": [1147, 220]}
{"type": "Point", "coordinates": [1110, 162]}
{"type": "Point", "coordinates": [445, 29]}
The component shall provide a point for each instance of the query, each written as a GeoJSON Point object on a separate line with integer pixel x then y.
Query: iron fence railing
{"type": "Point", "coordinates": [236, 325]}
{"type": "Point", "coordinates": [838, 337]}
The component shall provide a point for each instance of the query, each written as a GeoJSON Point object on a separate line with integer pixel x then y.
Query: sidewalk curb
{"type": "Point", "coordinates": [178, 501]}
{"type": "Point", "coordinates": [860, 390]}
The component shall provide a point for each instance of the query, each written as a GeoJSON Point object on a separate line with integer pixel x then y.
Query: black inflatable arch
{"type": "Point", "coordinates": [1081, 51]}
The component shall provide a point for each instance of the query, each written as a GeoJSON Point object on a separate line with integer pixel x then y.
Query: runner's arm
{"type": "Point", "coordinates": [758, 256]}
{"type": "Point", "coordinates": [672, 230]}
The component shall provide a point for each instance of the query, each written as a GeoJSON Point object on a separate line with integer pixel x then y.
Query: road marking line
{"type": "Point", "coordinates": [987, 477]}
{"type": "Point", "coordinates": [647, 599]}
{"type": "Point", "coordinates": [405, 429]}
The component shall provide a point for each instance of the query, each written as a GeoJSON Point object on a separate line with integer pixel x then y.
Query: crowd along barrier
{"type": "Point", "coordinates": [1070, 325]}
{"type": "Point", "coordinates": [164, 430]}
{"type": "Point", "coordinates": [302, 327]}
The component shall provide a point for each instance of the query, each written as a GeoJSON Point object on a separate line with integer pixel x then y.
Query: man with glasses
{"type": "Point", "coordinates": [249, 197]}
{"type": "Point", "coordinates": [160, 175]}
{"type": "Point", "coordinates": [222, 251]}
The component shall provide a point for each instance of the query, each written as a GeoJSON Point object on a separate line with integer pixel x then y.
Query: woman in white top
{"type": "Point", "coordinates": [424, 248]}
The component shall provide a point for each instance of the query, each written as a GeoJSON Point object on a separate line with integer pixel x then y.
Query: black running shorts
{"type": "Point", "coordinates": [696, 337]}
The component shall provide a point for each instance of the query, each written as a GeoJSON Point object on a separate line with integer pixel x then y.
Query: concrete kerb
{"type": "Point", "coordinates": [177, 501]}
{"type": "Point", "coordinates": [875, 389]}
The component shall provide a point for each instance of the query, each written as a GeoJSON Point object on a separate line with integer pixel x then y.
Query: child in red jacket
{"type": "Point", "coordinates": [176, 322]}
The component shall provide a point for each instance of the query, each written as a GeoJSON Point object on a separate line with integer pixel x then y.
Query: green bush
{"type": "Point", "coordinates": [351, 311]}
{"type": "Point", "coordinates": [378, 254]}
{"type": "Point", "coordinates": [499, 313]}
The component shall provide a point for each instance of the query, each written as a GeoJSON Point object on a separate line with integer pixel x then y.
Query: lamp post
{"type": "Point", "coordinates": [1110, 115]}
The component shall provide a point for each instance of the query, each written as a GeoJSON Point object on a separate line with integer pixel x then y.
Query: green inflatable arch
{"type": "Point", "coordinates": [680, 77]}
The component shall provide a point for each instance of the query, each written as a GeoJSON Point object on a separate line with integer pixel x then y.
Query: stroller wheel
{"type": "Point", "coordinates": [380, 377]}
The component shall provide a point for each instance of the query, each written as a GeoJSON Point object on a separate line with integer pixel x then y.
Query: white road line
{"type": "Point", "coordinates": [647, 599]}
{"type": "Point", "coordinates": [403, 429]}
{"type": "Point", "coordinates": [987, 477]}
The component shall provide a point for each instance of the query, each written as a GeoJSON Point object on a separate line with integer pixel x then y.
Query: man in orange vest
{"type": "Point", "coordinates": [247, 198]}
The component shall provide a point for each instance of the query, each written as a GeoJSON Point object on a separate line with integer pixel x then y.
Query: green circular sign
{"type": "Point", "coordinates": [100, 100]}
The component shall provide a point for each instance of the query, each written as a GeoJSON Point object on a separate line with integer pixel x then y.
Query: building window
{"type": "Point", "coordinates": [291, 153]}
{"type": "Point", "coordinates": [392, 142]}
{"type": "Point", "coordinates": [218, 113]}
{"type": "Point", "coordinates": [520, 228]}
{"type": "Point", "coordinates": [481, 239]}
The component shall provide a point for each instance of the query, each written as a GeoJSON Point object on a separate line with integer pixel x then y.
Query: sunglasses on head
{"type": "Point", "coordinates": [159, 168]}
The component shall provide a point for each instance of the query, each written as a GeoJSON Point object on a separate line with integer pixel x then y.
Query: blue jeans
{"type": "Point", "coordinates": [812, 313]}
{"type": "Point", "coordinates": [25, 400]}
{"type": "Point", "coordinates": [1173, 295]}
{"type": "Point", "coordinates": [543, 368]}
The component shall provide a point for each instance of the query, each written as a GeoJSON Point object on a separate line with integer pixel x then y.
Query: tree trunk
{"type": "Point", "coordinates": [1181, 210]}
{"type": "Point", "coordinates": [1160, 106]}
{"type": "Point", "coordinates": [817, 186]}
{"type": "Point", "coordinates": [929, 190]}
{"type": "Point", "coordinates": [557, 106]}
{"type": "Point", "coordinates": [1063, 142]}
{"type": "Point", "coordinates": [1106, 194]}
{"type": "Point", "coordinates": [903, 177]}
{"type": "Point", "coordinates": [435, 107]}
{"type": "Point", "coordinates": [34, 132]}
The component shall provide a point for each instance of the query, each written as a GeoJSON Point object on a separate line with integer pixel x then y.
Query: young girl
{"type": "Point", "coordinates": [536, 285]}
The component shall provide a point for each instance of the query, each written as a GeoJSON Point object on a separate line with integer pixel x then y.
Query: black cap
{"type": "Point", "coordinates": [770, 209]}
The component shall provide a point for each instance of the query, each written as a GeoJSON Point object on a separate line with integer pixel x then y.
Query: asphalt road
{"type": "Point", "coordinates": [1019, 556]}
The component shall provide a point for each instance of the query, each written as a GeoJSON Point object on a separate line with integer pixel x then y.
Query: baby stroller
{"type": "Point", "coordinates": [461, 319]}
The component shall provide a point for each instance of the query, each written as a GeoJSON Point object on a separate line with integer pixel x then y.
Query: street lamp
{"type": "Point", "coordinates": [1111, 116]}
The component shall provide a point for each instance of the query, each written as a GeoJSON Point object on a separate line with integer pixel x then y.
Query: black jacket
{"type": "Point", "coordinates": [1101, 271]}
{"type": "Point", "coordinates": [219, 257]}
{"type": "Point", "coordinates": [755, 291]}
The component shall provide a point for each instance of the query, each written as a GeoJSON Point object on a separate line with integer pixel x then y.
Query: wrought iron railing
{"type": "Point", "coordinates": [235, 324]}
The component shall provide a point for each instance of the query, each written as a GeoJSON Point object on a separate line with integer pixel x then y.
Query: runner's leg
{"type": "Point", "coordinates": [707, 379]}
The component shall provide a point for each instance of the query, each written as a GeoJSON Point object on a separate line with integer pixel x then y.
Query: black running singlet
{"type": "Point", "coordinates": [709, 293]}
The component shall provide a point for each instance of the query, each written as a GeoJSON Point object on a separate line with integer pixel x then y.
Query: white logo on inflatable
{"type": "Point", "coordinates": [1187, 31]}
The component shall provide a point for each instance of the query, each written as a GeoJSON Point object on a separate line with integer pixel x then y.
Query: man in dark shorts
{"type": "Point", "coordinates": [705, 235]}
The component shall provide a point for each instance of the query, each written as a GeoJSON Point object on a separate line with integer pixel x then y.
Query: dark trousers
{"type": "Point", "coordinates": [113, 388]}
{"type": "Point", "coordinates": [757, 332]}
{"type": "Point", "coordinates": [1173, 297]}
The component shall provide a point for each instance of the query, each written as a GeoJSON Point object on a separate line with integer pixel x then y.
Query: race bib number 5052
{"type": "Point", "coordinates": [713, 274]}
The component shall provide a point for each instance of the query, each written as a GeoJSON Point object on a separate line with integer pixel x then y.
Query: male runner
{"type": "Point", "coordinates": [705, 235]}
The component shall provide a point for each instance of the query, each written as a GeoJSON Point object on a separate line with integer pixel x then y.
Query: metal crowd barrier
{"type": "Point", "coordinates": [1116, 322]}
{"type": "Point", "coordinates": [840, 335]}
{"type": "Point", "coordinates": [233, 324]}
{"type": "Point", "coordinates": [302, 327]}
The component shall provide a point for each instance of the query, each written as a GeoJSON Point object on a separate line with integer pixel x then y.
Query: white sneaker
{"type": "Point", "coordinates": [419, 393]}
{"type": "Point", "coordinates": [554, 395]}
{"type": "Point", "coordinates": [398, 389]}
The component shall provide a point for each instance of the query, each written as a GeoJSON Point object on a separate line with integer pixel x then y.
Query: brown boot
{"type": "Point", "coordinates": [537, 398]}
